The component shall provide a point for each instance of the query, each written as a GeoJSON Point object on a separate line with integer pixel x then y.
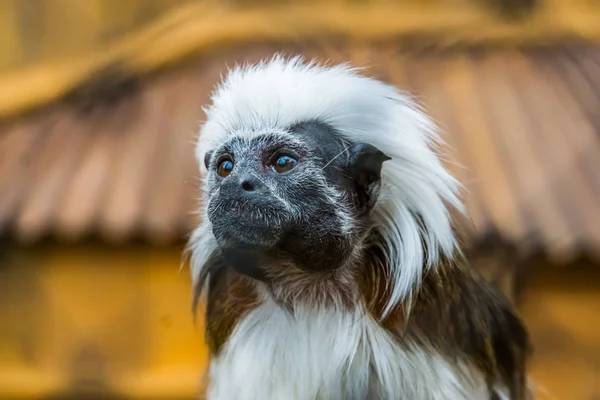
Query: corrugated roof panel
{"type": "Point", "coordinates": [20, 146]}
{"type": "Point", "coordinates": [165, 195]}
{"type": "Point", "coordinates": [574, 139]}
{"type": "Point", "coordinates": [575, 75]}
{"type": "Point", "coordinates": [540, 108]}
{"type": "Point", "coordinates": [422, 80]}
{"type": "Point", "coordinates": [84, 196]}
{"type": "Point", "coordinates": [585, 99]}
{"type": "Point", "coordinates": [130, 173]}
{"type": "Point", "coordinates": [60, 157]}
{"type": "Point", "coordinates": [513, 138]}
{"type": "Point", "coordinates": [579, 137]}
{"type": "Point", "coordinates": [478, 146]}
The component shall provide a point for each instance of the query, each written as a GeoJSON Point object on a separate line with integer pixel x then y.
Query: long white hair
{"type": "Point", "coordinates": [412, 213]}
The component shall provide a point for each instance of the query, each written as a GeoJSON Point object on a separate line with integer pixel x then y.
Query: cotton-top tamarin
{"type": "Point", "coordinates": [327, 252]}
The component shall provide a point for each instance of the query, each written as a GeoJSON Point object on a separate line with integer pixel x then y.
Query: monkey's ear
{"type": "Point", "coordinates": [207, 158]}
{"type": "Point", "coordinates": [364, 165]}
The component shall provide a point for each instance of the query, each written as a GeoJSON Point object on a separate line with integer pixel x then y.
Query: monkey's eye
{"type": "Point", "coordinates": [225, 167]}
{"type": "Point", "coordinates": [284, 164]}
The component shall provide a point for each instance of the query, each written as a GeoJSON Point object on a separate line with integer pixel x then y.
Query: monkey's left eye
{"type": "Point", "coordinates": [284, 164]}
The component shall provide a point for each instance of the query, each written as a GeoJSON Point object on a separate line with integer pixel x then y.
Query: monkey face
{"type": "Point", "coordinates": [301, 194]}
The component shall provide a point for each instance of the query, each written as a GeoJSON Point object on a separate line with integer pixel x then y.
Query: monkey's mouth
{"type": "Point", "coordinates": [246, 234]}
{"type": "Point", "coordinates": [246, 227]}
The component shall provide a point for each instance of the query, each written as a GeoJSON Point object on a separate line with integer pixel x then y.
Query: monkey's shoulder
{"type": "Point", "coordinates": [462, 315]}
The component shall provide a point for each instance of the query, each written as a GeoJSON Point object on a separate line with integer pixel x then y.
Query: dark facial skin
{"type": "Point", "coordinates": [301, 196]}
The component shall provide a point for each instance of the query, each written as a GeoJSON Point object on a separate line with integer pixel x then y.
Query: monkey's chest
{"type": "Point", "coordinates": [329, 355]}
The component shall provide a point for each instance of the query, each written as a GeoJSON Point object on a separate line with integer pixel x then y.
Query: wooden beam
{"type": "Point", "coordinates": [199, 27]}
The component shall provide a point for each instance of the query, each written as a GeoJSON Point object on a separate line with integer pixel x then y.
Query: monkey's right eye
{"type": "Point", "coordinates": [225, 167]}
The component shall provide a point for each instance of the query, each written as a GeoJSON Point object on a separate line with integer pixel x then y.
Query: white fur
{"type": "Point", "coordinates": [202, 245]}
{"type": "Point", "coordinates": [331, 355]}
{"type": "Point", "coordinates": [275, 94]}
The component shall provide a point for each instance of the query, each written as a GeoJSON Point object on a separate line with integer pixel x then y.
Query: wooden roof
{"type": "Point", "coordinates": [523, 127]}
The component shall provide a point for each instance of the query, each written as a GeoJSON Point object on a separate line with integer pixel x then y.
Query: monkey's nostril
{"type": "Point", "coordinates": [248, 186]}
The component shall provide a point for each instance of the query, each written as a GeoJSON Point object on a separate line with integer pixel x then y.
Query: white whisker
{"type": "Point", "coordinates": [334, 158]}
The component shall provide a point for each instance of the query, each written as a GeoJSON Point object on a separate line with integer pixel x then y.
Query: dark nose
{"type": "Point", "coordinates": [246, 185]}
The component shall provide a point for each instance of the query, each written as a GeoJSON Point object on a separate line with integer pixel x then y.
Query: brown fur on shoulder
{"type": "Point", "coordinates": [457, 313]}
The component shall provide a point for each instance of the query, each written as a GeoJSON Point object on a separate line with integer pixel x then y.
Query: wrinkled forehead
{"type": "Point", "coordinates": [260, 141]}
{"type": "Point", "coordinates": [306, 138]}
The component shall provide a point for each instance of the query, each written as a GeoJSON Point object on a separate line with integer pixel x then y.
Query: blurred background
{"type": "Point", "coordinates": [100, 102]}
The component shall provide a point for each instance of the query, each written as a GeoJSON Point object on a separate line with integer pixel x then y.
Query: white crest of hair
{"type": "Point", "coordinates": [333, 355]}
{"type": "Point", "coordinates": [279, 92]}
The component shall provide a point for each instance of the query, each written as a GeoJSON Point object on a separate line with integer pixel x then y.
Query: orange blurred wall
{"type": "Point", "coordinates": [100, 319]}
